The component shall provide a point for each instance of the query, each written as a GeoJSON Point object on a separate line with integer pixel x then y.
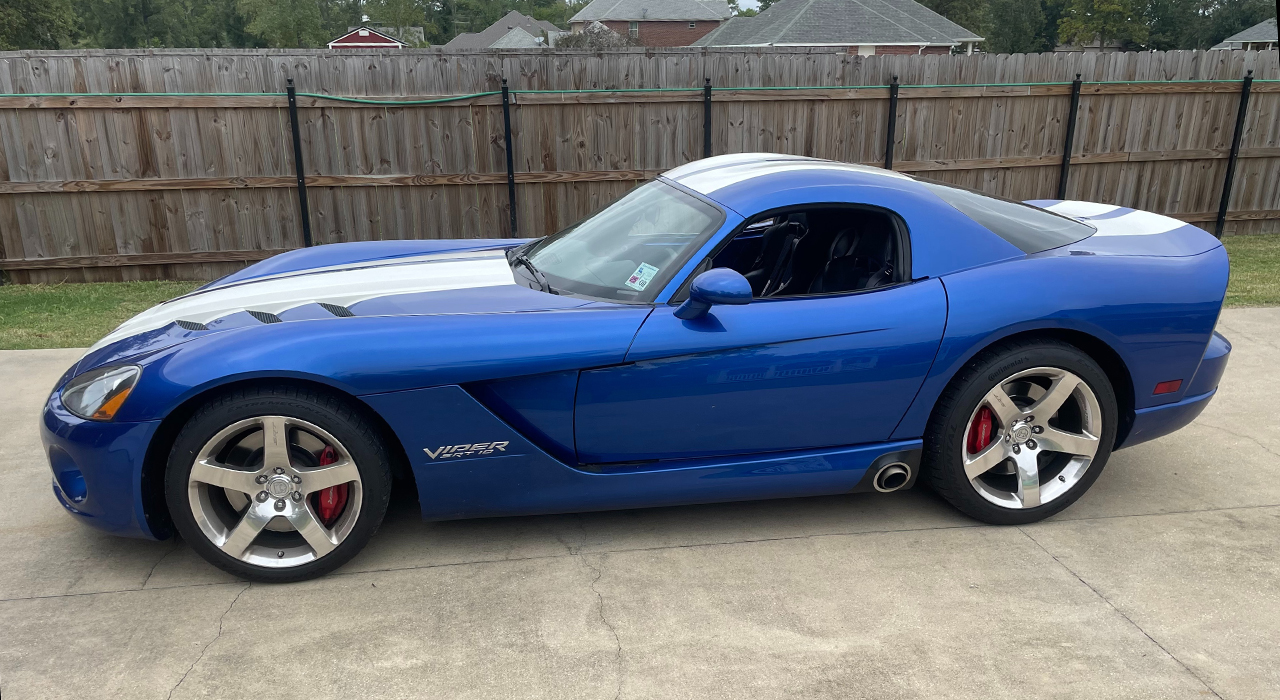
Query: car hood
{"type": "Point", "coordinates": [453, 281]}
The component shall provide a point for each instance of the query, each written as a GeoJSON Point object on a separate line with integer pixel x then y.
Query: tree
{"type": "Point", "coordinates": [1018, 28]}
{"type": "Point", "coordinates": [1048, 33]}
{"type": "Point", "coordinates": [336, 16]}
{"type": "Point", "coordinates": [1104, 21]}
{"type": "Point", "coordinates": [397, 14]}
{"type": "Point", "coordinates": [35, 24]}
{"type": "Point", "coordinates": [123, 24]}
{"type": "Point", "coordinates": [286, 24]}
{"type": "Point", "coordinates": [158, 23]}
{"type": "Point", "coordinates": [595, 36]}
{"type": "Point", "coordinates": [1233, 16]}
{"type": "Point", "coordinates": [970, 14]}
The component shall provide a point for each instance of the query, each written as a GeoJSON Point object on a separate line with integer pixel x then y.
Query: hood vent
{"type": "Point", "coordinates": [264, 317]}
{"type": "Point", "coordinates": [192, 325]}
{"type": "Point", "coordinates": [339, 311]}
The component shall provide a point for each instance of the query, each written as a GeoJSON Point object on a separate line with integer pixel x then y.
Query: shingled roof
{"type": "Point", "coordinates": [653, 10]}
{"type": "Point", "coordinates": [499, 31]}
{"type": "Point", "coordinates": [517, 38]}
{"type": "Point", "coordinates": [840, 22]}
{"type": "Point", "coordinates": [1259, 33]}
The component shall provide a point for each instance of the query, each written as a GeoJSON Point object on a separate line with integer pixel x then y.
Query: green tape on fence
{"type": "Point", "coordinates": [372, 101]}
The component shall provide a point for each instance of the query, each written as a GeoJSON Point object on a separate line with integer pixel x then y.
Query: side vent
{"type": "Point", "coordinates": [192, 325]}
{"type": "Point", "coordinates": [339, 311]}
{"type": "Point", "coordinates": [264, 317]}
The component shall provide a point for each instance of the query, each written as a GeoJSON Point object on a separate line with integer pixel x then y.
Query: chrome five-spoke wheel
{"type": "Point", "coordinates": [1032, 437]}
{"type": "Point", "coordinates": [1021, 432]}
{"type": "Point", "coordinates": [274, 491]}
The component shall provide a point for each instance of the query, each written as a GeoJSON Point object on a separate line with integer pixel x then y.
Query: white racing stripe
{"type": "Point", "coordinates": [448, 256]}
{"type": "Point", "coordinates": [1081, 210]}
{"type": "Point", "coordinates": [1136, 223]}
{"type": "Point", "coordinates": [338, 285]}
{"type": "Point", "coordinates": [712, 174]}
{"type": "Point", "coordinates": [1103, 217]}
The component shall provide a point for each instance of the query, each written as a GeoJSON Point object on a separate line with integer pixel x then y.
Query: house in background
{"type": "Point", "coordinates": [655, 22]}
{"type": "Point", "coordinates": [1260, 37]}
{"type": "Point", "coordinates": [513, 31]}
{"type": "Point", "coordinates": [369, 38]}
{"type": "Point", "coordinates": [861, 27]}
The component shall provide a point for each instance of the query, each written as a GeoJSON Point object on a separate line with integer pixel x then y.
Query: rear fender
{"type": "Point", "coordinates": [1156, 313]}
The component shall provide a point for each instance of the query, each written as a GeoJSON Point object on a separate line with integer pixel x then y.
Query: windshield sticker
{"type": "Point", "coordinates": [642, 277]}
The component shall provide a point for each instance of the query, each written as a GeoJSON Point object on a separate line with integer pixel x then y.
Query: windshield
{"type": "Point", "coordinates": [1030, 228]}
{"type": "Point", "coordinates": [630, 250]}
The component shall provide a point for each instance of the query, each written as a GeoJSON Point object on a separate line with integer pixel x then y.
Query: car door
{"type": "Point", "coordinates": [776, 374]}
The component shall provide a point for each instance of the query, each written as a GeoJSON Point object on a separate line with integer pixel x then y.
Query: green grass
{"type": "Point", "coordinates": [1255, 270]}
{"type": "Point", "coordinates": [74, 315]}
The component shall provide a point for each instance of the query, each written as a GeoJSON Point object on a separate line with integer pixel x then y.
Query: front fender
{"type": "Point", "coordinates": [372, 355]}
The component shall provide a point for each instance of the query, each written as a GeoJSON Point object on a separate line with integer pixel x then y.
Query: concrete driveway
{"type": "Point", "coordinates": [1162, 582]}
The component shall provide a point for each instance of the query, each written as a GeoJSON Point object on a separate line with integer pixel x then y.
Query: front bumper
{"type": "Point", "coordinates": [97, 469]}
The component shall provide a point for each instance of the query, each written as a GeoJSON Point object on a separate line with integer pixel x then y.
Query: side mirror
{"type": "Point", "coordinates": [718, 286]}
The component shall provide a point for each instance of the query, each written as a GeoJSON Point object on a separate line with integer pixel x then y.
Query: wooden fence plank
{"type": "Point", "coordinates": [122, 180]}
{"type": "Point", "coordinates": [139, 259]}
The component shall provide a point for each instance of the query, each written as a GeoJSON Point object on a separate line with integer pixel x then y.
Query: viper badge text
{"type": "Point", "coordinates": [479, 448]}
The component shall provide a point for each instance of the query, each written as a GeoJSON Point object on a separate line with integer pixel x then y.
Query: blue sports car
{"type": "Point", "coordinates": [743, 327]}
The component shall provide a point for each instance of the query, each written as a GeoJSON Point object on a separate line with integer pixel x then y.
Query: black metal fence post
{"type": "Point", "coordinates": [511, 167]}
{"type": "Point", "coordinates": [892, 125]}
{"type": "Point", "coordinates": [706, 119]}
{"type": "Point", "coordinates": [1245, 86]}
{"type": "Point", "coordinates": [1069, 141]}
{"type": "Point", "coordinates": [297, 165]}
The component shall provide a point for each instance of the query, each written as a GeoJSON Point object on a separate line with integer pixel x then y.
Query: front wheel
{"type": "Point", "coordinates": [1021, 433]}
{"type": "Point", "coordinates": [277, 483]}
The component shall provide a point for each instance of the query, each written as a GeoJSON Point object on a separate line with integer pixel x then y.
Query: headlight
{"type": "Point", "coordinates": [98, 394]}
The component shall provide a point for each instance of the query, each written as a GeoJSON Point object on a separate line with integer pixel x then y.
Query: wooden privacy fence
{"type": "Point", "coordinates": [189, 164]}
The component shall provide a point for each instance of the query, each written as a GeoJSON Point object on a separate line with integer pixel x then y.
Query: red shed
{"type": "Point", "coordinates": [366, 38]}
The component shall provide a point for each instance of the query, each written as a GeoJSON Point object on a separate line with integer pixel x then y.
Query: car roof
{"type": "Point", "coordinates": [710, 175]}
{"type": "Point", "coordinates": [943, 239]}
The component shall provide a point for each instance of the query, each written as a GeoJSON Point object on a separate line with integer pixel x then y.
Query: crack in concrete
{"type": "Point", "coordinates": [1122, 614]}
{"type": "Point", "coordinates": [617, 641]}
{"type": "Point", "coordinates": [199, 658]}
{"type": "Point", "coordinates": [570, 551]}
{"type": "Point", "coordinates": [119, 591]}
{"type": "Point", "coordinates": [1250, 438]}
{"type": "Point", "coordinates": [1189, 511]}
{"type": "Point", "coordinates": [174, 548]}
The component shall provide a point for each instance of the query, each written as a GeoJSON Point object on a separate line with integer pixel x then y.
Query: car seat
{"type": "Point", "coordinates": [861, 258]}
{"type": "Point", "coordinates": [772, 267]}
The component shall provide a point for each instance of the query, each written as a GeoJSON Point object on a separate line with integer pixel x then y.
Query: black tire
{"type": "Point", "coordinates": [329, 412]}
{"type": "Point", "coordinates": [942, 461]}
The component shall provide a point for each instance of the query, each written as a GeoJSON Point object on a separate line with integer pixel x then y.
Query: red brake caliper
{"type": "Point", "coordinates": [980, 431]}
{"type": "Point", "coordinates": [330, 502]}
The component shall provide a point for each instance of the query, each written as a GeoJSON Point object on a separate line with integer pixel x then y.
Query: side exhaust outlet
{"type": "Point", "coordinates": [892, 477]}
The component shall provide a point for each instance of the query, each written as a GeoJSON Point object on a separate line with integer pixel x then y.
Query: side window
{"type": "Point", "coordinates": [818, 251]}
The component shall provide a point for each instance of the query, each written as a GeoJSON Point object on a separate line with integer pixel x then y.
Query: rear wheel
{"type": "Point", "coordinates": [1021, 433]}
{"type": "Point", "coordinates": [277, 483]}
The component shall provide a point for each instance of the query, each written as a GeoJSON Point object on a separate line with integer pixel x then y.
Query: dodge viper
{"type": "Point", "coordinates": [742, 327]}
